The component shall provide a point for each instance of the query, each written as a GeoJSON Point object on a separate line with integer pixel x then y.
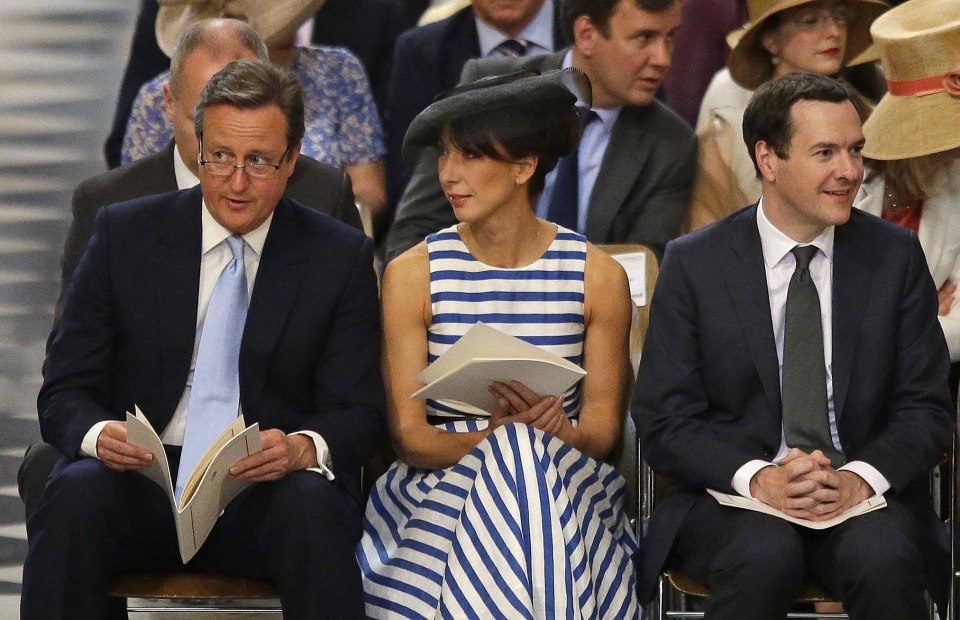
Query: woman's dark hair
{"type": "Point", "coordinates": [547, 131]}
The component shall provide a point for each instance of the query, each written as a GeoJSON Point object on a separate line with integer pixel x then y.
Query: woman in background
{"type": "Point", "coordinates": [818, 36]}
{"type": "Point", "coordinates": [913, 140]}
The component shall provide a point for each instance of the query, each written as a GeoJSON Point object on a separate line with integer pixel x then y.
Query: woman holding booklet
{"type": "Point", "coordinates": [510, 512]}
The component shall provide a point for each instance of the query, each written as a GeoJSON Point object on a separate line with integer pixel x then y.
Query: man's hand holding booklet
{"type": "Point", "coordinates": [208, 489]}
{"type": "Point", "coordinates": [485, 355]}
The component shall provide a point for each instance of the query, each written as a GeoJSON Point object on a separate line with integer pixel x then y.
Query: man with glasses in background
{"type": "Point", "coordinates": [197, 306]}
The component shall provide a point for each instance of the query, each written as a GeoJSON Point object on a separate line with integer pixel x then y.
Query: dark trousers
{"type": "Point", "coordinates": [94, 524]}
{"type": "Point", "coordinates": [755, 564]}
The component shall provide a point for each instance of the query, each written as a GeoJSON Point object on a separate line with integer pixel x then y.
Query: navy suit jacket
{"type": "Point", "coordinates": [309, 358]}
{"type": "Point", "coordinates": [707, 398]}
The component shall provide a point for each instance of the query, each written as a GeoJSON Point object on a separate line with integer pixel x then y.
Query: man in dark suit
{"type": "Point", "coordinates": [639, 157]}
{"type": "Point", "coordinates": [205, 49]}
{"type": "Point", "coordinates": [428, 61]}
{"type": "Point", "coordinates": [134, 333]}
{"type": "Point", "coordinates": [794, 356]}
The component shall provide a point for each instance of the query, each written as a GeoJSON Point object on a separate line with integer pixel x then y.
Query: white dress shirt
{"type": "Point", "coordinates": [779, 264]}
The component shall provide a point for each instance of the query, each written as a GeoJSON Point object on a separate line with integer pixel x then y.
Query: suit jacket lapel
{"type": "Point", "coordinates": [852, 274]}
{"type": "Point", "coordinates": [177, 271]}
{"type": "Point", "coordinates": [746, 280]}
{"type": "Point", "coordinates": [279, 278]}
{"type": "Point", "coordinates": [625, 157]}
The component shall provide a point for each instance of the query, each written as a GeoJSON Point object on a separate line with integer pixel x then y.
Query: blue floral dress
{"type": "Point", "coordinates": [342, 126]}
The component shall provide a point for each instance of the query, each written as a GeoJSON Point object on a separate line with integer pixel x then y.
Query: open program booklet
{"type": "Point", "coordinates": [208, 489]}
{"type": "Point", "coordinates": [484, 355]}
{"type": "Point", "coordinates": [738, 501]}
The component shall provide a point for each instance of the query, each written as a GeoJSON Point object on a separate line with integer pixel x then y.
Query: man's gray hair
{"type": "Point", "coordinates": [253, 84]}
{"type": "Point", "coordinates": [222, 37]}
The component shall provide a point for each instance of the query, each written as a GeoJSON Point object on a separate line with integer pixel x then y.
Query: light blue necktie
{"type": "Point", "coordinates": [215, 393]}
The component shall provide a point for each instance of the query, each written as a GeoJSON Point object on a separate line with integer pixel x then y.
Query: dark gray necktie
{"type": "Point", "coordinates": [804, 391]}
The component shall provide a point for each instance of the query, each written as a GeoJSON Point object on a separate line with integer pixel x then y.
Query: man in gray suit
{"type": "Point", "coordinates": [637, 160]}
{"type": "Point", "coordinates": [202, 50]}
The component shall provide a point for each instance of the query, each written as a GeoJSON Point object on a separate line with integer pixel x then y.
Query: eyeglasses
{"type": "Point", "coordinates": [226, 167]}
{"type": "Point", "coordinates": [816, 21]}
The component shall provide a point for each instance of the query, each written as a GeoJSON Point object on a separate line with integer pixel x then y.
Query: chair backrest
{"type": "Point", "coordinates": [642, 269]}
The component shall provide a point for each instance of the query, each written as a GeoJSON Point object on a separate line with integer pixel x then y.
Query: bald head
{"type": "Point", "coordinates": [202, 50]}
{"type": "Point", "coordinates": [222, 38]}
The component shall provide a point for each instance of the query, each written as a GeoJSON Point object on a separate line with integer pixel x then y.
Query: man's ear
{"type": "Point", "coordinates": [168, 100]}
{"type": "Point", "coordinates": [767, 161]}
{"type": "Point", "coordinates": [585, 34]}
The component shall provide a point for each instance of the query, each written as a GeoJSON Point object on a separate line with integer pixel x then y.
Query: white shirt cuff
{"type": "Point", "coordinates": [870, 475]}
{"type": "Point", "coordinates": [743, 476]}
{"type": "Point", "coordinates": [323, 454]}
{"type": "Point", "coordinates": [88, 447]}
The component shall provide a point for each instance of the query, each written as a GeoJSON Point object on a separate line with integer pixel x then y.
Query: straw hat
{"type": "Point", "coordinates": [274, 20]}
{"type": "Point", "coordinates": [749, 61]}
{"type": "Point", "coordinates": [920, 49]}
{"type": "Point", "coordinates": [517, 99]}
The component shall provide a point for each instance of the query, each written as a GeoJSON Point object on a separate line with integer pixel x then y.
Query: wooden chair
{"type": "Point", "coordinates": [206, 593]}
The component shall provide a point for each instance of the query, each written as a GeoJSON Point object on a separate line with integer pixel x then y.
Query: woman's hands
{"type": "Point", "coordinates": [518, 403]}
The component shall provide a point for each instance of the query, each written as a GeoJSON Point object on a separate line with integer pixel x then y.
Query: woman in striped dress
{"type": "Point", "coordinates": [510, 513]}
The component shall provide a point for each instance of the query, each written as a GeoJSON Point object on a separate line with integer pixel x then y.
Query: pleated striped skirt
{"type": "Point", "coordinates": [524, 526]}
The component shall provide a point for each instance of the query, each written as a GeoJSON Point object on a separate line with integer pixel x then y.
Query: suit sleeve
{"type": "Point", "coordinates": [348, 388]}
{"type": "Point", "coordinates": [411, 90]}
{"type": "Point", "coordinates": [422, 210]}
{"type": "Point", "coordinates": [78, 371]}
{"type": "Point", "coordinates": [78, 235]}
{"type": "Point", "coordinates": [679, 433]}
{"type": "Point", "coordinates": [665, 212]}
{"type": "Point", "coordinates": [919, 418]}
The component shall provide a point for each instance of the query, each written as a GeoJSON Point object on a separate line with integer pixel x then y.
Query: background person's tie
{"type": "Point", "coordinates": [804, 392]}
{"type": "Point", "coordinates": [513, 47]}
{"type": "Point", "coordinates": [565, 194]}
{"type": "Point", "coordinates": [215, 393]}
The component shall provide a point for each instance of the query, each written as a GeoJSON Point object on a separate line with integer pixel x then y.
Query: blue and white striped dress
{"type": "Point", "coordinates": [524, 526]}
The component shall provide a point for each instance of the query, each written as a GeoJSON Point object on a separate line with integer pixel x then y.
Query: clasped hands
{"type": "Point", "coordinates": [280, 454]}
{"type": "Point", "coordinates": [516, 403]}
{"type": "Point", "coordinates": [805, 486]}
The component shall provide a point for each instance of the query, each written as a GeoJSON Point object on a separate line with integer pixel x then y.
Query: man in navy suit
{"type": "Point", "coordinates": [427, 61]}
{"type": "Point", "coordinates": [711, 400]}
{"type": "Point", "coordinates": [308, 374]}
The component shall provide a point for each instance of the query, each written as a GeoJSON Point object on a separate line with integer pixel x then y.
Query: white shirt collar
{"type": "Point", "coordinates": [214, 233]}
{"type": "Point", "coordinates": [185, 177]}
{"type": "Point", "coordinates": [539, 31]}
{"type": "Point", "coordinates": [776, 244]}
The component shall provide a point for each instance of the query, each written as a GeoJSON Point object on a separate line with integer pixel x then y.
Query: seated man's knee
{"type": "Point", "coordinates": [767, 551]}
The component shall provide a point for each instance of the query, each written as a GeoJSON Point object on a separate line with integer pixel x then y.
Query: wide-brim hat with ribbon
{"type": "Point", "coordinates": [749, 62]}
{"type": "Point", "coordinates": [517, 102]}
{"type": "Point", "coordinates": [274, 20]}
{"type": "Point", "coordinates": [919, 45]}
